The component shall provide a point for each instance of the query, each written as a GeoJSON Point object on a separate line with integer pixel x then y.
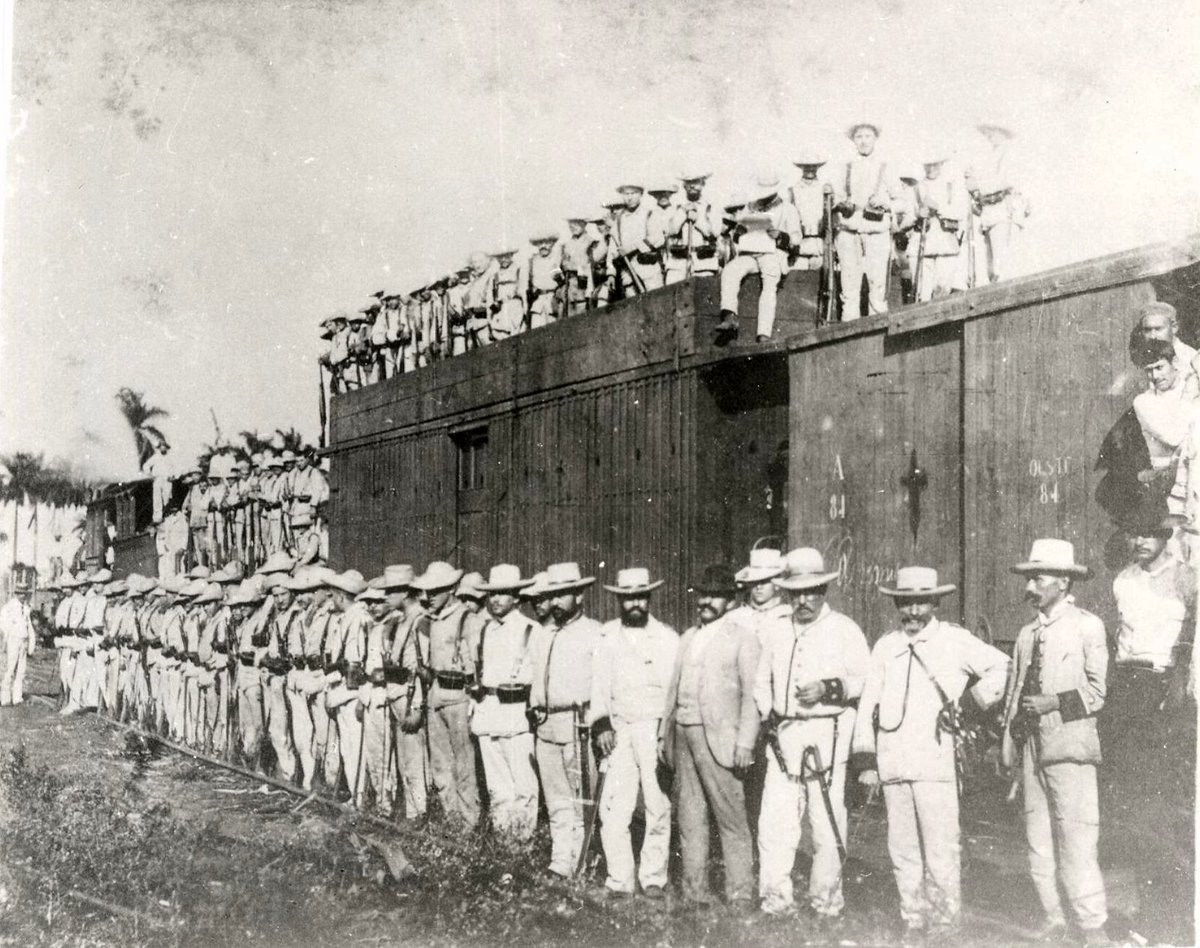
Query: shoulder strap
{"type": "Point", "coordinates": [941, 692]}
{"type": "Point", "coordinates": [849, 166]}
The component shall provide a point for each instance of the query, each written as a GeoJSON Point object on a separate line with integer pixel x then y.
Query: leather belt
{"type": "Point", "coordinates": [247, 660]}
{"type": "Point", "coordinates": [994, 197]}
{"type": "Point", "coordinates": [509, 694]}
{"type": "Point", "coordinates": [451, 680]}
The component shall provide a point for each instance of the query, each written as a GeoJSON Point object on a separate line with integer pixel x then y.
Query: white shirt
{"type": "Point", "coordinates": [504, 659]}
{"type": "Point", "coordinates": [16, 626]}
{"type": "Point", "coordinates": [632, 672]}
{"type": "Point", "coordinates": [1152, 604]}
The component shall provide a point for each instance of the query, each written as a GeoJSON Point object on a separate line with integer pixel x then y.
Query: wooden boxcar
{"type": "Point", "coordinates": [948, 434]}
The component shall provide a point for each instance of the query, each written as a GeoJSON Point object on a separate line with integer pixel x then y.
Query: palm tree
{"type": "Point", "coordinates": [139, 415]}
{"type": "Point", "coordinates": [25, 474]}
{"type": "Point", "coordinates": [291, 440]}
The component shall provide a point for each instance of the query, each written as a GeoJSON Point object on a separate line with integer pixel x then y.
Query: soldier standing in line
{"type": "Point", "coordinates": [943, 213]}
{"type": "Point", "coordinates": [602, 257]}
{"type": "Point", "coordinates": [808, 197]}
{"type": "Point", "coordinates": [456, 310]}
{"type": "Point", "coordinates": [638, 264]}
{"type": "Point", "coordinates": [451, 667]}
{"type": "Point", "coordinates": [908, 719]}
{"type": "Point", "coordinates": [576, 266]}
{"type": "Point", "coordinates": [772, 227]}
{"type": "Point", "coordinates": [507, 306]}
{"type": "Point", "coordinates": [545, 276]}
{"type": "Point", "coordinates": [562, 652]}
{"type": "Point", "coordinates": [999, 203]}
{"type": "Point", "coordinates": [477, 300]}
{"type": "Point", "coordinates": [1055, 689]}
{"type": "Point", "coordinates": [84, 691]}
{"type": "Point", "coordinates": [358, 345]}
{"type": "Point", "coordinates": [303, 655]}
{"type": "Point", "coordinates": [864, 196]}
{"type": "Point", "coordinates": [658, 225]}
{"type": "Point", "coordinates": [812, 671]}
{"type": "Point", "coordinates": [286, 619]}
{"type": "Point", "coordinates": [20, 639]}
{"type": "Point", "coordinates": [204, 722]}
{"type": "Point", "coordinates": [373, 704]}
{"type": "Point", "coordinates": [348, 656]}
{"type": "Point", "coordinates": [340, 366]}
{"type": "Point", "coordinates": [196, 506]}
{"type": "Point", "coordinates": [691, 233]}
{"type": "Point", "coordinates": [707, 738]}
{"type": "Point", "coordinates": [503, 675]}
{"type": "Point", "coordinates": [535, 597]}
{"type": "Point", "coordinates": [633, 666]}
{"type": "Point", "coordinates": [243, 602]}
{"type": "Point", "coordinates": [221, 633]}
{"type": "Point", "coordinates": [403, 668]}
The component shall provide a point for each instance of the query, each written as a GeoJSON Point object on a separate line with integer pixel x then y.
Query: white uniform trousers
{"type": "Point", "coordinates": [66, 669]}
{"type": "Point", "coordinates": [862, 255]}
{"type": "Point", "coordinates": [650, 275]}
{"type": "Point", "coordinates": [12, 686]}
{"type": "Point", "coordinates": [452, 760]}
{"type": "Point", "coordinates": [923, 842]}
{"type": "Point", "coordinates": [939, 276]}
{"type": "Point", "coordinates": [413, 764]}
{"type": "Point", "coordinates": [279, 729]}
{"type": "Point", "coordinates": [1062, 826]}
{"type": "Point", "coordinates": [302, 725]}
{"type": "Point", "coordinates": [633, 765]}
{"type": "Point", "coordinates": [324, 734]}
{"type": "Point", "coordinates": [220, 708]}
{"type": "Point", "coordinates": [250, 710]}
{"type": "Point", "coordinates": [1000, 244]}
{"type": "Point", "coordinates": [786, 800]}
{"type": "Point", "coordinates": [543, 310]}
{"type": "Point", "coordinates": [378, 753]}
{"type": "Point", "coordinates": [562, 786]}
{"type": "Point", "coordinates": [112, 678]}
{"type": "Point", "coordinates": [350, 747]}
{"type": "Point", "coordinates": [194, 708]}
{"type": "Point", "coordinates": [83, 692]}
{"type": "Point", "coordinates": [677, 268]}
{"type": "Point", "coordinates": [511, 782]}
{"type": "Point", "coordinates": [175, 702]}
{"type": "Point", "coordinates": [770, 266]}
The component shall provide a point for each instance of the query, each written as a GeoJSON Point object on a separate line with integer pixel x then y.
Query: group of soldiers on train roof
{"type": "Point", "coordinates": [856, 219]}
{"type": "Point", "coordinates": [237, 509]}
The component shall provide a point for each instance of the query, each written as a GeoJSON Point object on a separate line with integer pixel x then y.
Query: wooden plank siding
{"type": "Point", "coordinates": [628, 437]}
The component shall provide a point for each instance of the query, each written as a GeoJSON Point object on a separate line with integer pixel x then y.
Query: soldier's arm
{"type": "Point", "coordinates": [1088, 699]}
{"type": "Point", "coordinates": [989, 665]}
{"type": "Point", "coordinates": [857, 656]}
{"type": "Point", "coordinates": [749, 658]}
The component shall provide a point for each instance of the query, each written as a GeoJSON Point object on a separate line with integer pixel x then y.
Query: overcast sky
{"type": "Point", "coordinates": [193, 185]}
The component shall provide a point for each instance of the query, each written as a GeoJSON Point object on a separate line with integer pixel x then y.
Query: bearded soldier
{"type": "Point", "coordinates": [632, 671]}
{"type": "Point", "coordinates": [562, 652]}
{"type": "Point", "coordinates": [691, 233]}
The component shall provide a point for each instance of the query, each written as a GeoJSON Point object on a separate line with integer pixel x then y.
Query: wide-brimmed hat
{"type": "Point", "coordinates": [118, 587]}
{"type": "Point", "coordinates": [231, 572]}
{"type": "Point", "coordinates": [766, 185]}
{"type": "Point", "coordinates": [909, 174]}
{"type": "Point", "coordinates": [212, 592]}
{"type": "Point", "coordinates": [397, 576]}
{"type": "Point", "coordinates": [544, 237]}
{"type": "Point", "coordinates": [993, 125]}
{"type": "Point", "coordinates": [537, 588]}
{"type": "Point", "coordinates": [306, 579]}
{"type": "Point", "coordinates": [277, 562]}
{"type": "Point", "coordinates": [663, 187]}
{"type": "Point", "coordinates": [808, 159]}
{"type": "Point", "coordinates": [717, 579]}
{"type": "Point", "coordinates": [735, 201]}
{"type": "Point", "coordinates": [438, 575]}
{"type": "Point", "coordinates": [804, 568]}
{"type": "Point", "coordinates": [199, 572]}
{"type": "Point", "coordinates": [933, 160]}
{"type": "Point", "coordinates": [1156, 308]}
{"type": "Point", "coordinates": [469, 586]}
{"type": "Point", "coordinates": [67, 581]}
{"type": "Point", "coordinates": [503, 253]}
{"type": "Point", "coordinates": [504, 577]}
{"type": "Point", "coordinates": [691, 174]}
{"type": "Point", "coordinates": [873, 126]}
{"type": "Point", "coordinates": [192, 588]}
{"type": "Point", "coordinates": [564, 577]}
{"type": "Point", "coordinates": [634, 581]}
{"type": "Point", "coordinates": [764, 564]}
{"type": "Point", "coordinates": [371, 594]}
{"type": "Point", "coordinates": [1049, 555]}
{"type": "Point", "coordinates": [622, 188]}
{"type": "Point", "coordinates": [917, 582]}
{"type": "Point", "coordinates": [246, 593]}
{"type": "Point", "coordinates": [350, 581]}
{"type": "Point", "coordinates": [100, 576]}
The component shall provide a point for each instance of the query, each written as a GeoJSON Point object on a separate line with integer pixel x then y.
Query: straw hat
{"type": "Point", "coordinates": [277, 562]}
{"type": "Point", "coordinates": [350, 581]}
{"type": "Point", "coordinates": [565, 577]}
{"type": "Point", "coordinates": [873, 126]}
{"type": "Point", "coordinates": [505, 577]}
{"type": "Point", "coordinates": [212, 592]}
{"type": "Point", "coordinates": [764, 564]}
{"type": "Point", "coordinates": [231, 572]}
{"type": "Point", "coordinates": [992, 125]}
{"type": "Point", "coordinates": [198, 572]}
{"type": "Point", "coordinates": [1052, 556]}
{"type": "Point", "coordinates": [917, 582]}
{"type": "Point", "coordinates": [468, 586]}
{"type": "Point", "coordinates": [246, 593]}
{"type": "Point", "coordinates": [438, 575]}
{"type": "Point", "coordinates": [537, 588]}
{"type": "Point", "coordinates": [805, 569]}
{"type": "Point", "coordinates": [634, 581]}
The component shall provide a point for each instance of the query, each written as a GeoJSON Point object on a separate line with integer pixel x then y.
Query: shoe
{"type": "Point", "coordinates": [655, 892]}
{"type": "Point", "coordinates": [1096, 938]}
{"type": "Point", "coordinates": [605, 894]}
{"type": "Point", "coordinates": [1052, 933]}
{"type": "Point", "coordinates": [762, 338]}
{"type": "Point", "coordinates": [777, 908]}
{"type": "Point", "coordinates": [728, 323]}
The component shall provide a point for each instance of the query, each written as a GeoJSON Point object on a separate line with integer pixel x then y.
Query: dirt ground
{"type": "Point", "coordinates": [109, 839]}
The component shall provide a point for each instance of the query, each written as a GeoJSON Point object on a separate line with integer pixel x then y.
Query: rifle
{"type": "Point", "coordinates": [634, 277]}
{"type": "Point", "coordinates": [591, 818]}
{"type": "Point", "coordinates": [829, 311]}
{"type": "Point", "coordinates": [356, 792]}
{"type": "Point", "coordinates": [923, 223]}
{"type": "Point", "coordinates": [321, 402]}
{"type": "Point", "coordinates": [388, 734]}
{"type": "Point", "coordinates": [691, 228]}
